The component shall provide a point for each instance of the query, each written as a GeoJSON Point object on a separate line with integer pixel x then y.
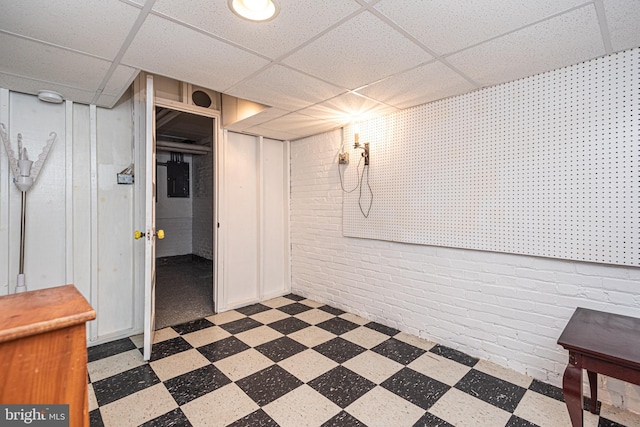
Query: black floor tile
{"type": "Point", "coordinates": [123, 384]}
{"type": "Point", "coordinates": [337, 325]}
{"type": "Point", "coordinates": [387, 330]}
{"type": "Point", "coordinates": [416, 387]}
{"type": "Point", "coordinates": [586, 404]}
{"type": "Point", "coordinates": [175, 418]}
{"type": "Point", "coordinates": [399, 351]}
{"type": "Point", "coordinates": [430, 420]}
{"type": "Point", "coordinates": [343, 419]}
{"type": "Point", "coordinates": [194, 325]}
{"type": "Point", "coordinates": [294, 297]}
{"type": "Point", "coordinates": [603, 422]}
{"type": "Point", "coordinates": [341, 386]}
{"type": "Point", "coordinates": [269, 384]}
{"type": "Point", "coordinates": [295, 308]}
{"type": "Point", "coordinates": [109, 349]}
{"type": "Point", "coordinates": [515, 421]}
{"type": "Point", "coordinates": [280, 348]}
{"type": "Point", "coordinates": [490, 389]}
{"type": "Point", "coordinates": [169, 348]}
{"type": "Point", "coordinates": [253, 309]}
{"type": "Point", "coordinates": [331, 310]}
{"type": "Point", "coordinates": [240, 325]}
{"type": "Point", "coordinates": [289, 325]}
{"type": "Point", "coordinates": [186, 387]}
{"type": "Point", "coordinates": [258, 418]}
{"type": "Point", "coordinates": [547, 390]}
{"type": "Point", "coordinates": [95, 418]}
{"type": "Point", "coordinates": [339, 349]}
{"type": "Point", "coordinates": [455, 355]}
{"type": "Point", "coordinates": [223, 348]}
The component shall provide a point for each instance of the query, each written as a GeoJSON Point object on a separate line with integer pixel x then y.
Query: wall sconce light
{"type": "Point", "coordinates": [356, 144]}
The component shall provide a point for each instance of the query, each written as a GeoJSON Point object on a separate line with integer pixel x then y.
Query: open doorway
{"type": "Point", "coordinates": [185, 211]}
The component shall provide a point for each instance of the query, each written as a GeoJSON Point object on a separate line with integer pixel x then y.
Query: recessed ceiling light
{"type": "Point", "coordinates": [255, 10]}
{"type": "Point", "coordinates": [50, 96]}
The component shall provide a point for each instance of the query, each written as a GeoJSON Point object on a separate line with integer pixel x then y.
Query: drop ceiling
{"type": "Point", "coordinates": [319, 64]}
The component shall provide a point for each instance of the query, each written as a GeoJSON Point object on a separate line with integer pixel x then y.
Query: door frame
{"type": "Point", "coordinates": [139, 211]}
{"type": "Point", "coordinates": [216, 143]}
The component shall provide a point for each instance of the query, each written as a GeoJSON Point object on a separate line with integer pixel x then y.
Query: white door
{"type": "Point", "coordinates": [150, 221]}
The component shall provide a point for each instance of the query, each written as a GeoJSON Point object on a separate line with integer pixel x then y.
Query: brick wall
{"type": "Point", "coordinates": [509, 309]}
{"type": "Point", "coordinates": [202, 226]}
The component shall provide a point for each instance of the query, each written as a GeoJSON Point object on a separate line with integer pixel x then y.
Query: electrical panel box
{"type": "Point", "coordinates": [177, 179]}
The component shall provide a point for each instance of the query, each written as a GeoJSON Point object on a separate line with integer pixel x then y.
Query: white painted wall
{"type": "Point", "coordinates": [79, 220]}
{"type": "Point", "coordinates": [173, 214]}
{"type": "Point", "coordinates": [254, 205]}
{"type": "Point", "coordinates": [240, 221]}
{"type": "Point", "coordinates": [275, 218]}
{"type": "Point", "coordinates": [509, 309]}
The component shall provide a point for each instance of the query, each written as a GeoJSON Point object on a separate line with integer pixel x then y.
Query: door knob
{"type": "Point", "coordinates": [139, 234]}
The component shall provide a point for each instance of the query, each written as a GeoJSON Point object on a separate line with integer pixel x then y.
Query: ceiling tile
{"type": "Point", "coordinates": [107, 101]}
{"type": "Point", "coordinates": [300, 124]}
{"type": "Point", "coordinates": [181, 53]}
{"type": "Point", "coordinates": [447, 26]}
{"type": "Point", "coordinates": [297, 22]}
{"type": "Point", "coordinates": [97, 27]}
{"type": "Point", "coordinates": [568, 39]}
{"type": "Point", "coordinates": [257, 119]}
{"type": "Point", "coordinates": [623, 18]}
{"type": "Point", "coordinates": [50, 64]}
{"type": "Point", "coordinates": [271, 133]}
{"type": "Point", "coordinates": [421, 85]}
{"type": "Point", "coordinates": [30, 86]}
{"type": "Point", "coordinates": [285, 88]}
{"type": "Point", "coordinates": [359, 52]}
{"type": "Point", "coordinates": [346, 108]}
{"type": "Point", "coordinates": [120, 80]}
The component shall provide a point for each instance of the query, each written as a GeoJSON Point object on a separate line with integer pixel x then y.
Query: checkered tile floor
{"type": "Point", "coordinates": [292, 362]}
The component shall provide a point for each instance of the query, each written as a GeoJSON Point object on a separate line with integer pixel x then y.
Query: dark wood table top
{"type": "Point", "coordinates": [607, 336]}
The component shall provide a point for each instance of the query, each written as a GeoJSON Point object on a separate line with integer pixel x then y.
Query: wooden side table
{"type": "Point", "coordinates": [43, 350]}
{"type": "Point", "coordinates": [602, 343]}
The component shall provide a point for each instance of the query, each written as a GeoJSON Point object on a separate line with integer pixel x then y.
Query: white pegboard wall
{"type": "Point", "coordinates": [546, 166]}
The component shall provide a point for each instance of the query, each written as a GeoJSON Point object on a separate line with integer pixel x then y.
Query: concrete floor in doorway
{"type": "Point", "coordinates": [184, 289]}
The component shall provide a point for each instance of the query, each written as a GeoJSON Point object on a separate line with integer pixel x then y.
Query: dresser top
{"type": "Point", "coordinates": [44, 310]}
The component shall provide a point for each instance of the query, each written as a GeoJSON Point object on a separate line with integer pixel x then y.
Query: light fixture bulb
{"type": "Point", "coordinates": [255, 5]}
{"type": "Point", "coordinates": [255, 10]}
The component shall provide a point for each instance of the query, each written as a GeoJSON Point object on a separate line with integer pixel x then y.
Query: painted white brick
{"type": "Point", "coordinates": [509, 309]}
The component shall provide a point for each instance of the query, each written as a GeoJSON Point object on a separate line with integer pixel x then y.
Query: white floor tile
{"type": "Point", "coordinates": [463, 410]}
{"type": "Point", "coordinates": [365, 337]}
{"type": "Point", "coordinates": [109, 366]}
{"type": "Point", "coordinates": [381, 408]}
{"type": "Point", "coordinates": [372, 366]}
{"type": "Point", "coordinates": [138, 407]}
{"type": "Point", "coordinates": [178, 364]}
{"type": "Point", "coordinates": [439, 368]}
{"type": "Point", "coordinates": [542, 410]}
{"type": "Point", "coordinates": [308, 365]}
{"type": "Point", "coordinates": [303, 407]}
{"type": "Point", "coordinates": [220, 407]}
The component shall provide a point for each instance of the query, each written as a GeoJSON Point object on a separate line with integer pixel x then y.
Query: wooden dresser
{"type": "Point", "coordinates": [43, 349]}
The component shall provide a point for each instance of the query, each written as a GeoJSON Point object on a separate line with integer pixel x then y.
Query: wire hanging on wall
{"type": "Point", "coordinates": [344, 160]}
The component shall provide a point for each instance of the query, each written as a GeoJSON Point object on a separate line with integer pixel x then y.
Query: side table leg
{"type": "Point", "coordinates": [572, 390]}
{"type": "Point", "coordinates": [593, 385]}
